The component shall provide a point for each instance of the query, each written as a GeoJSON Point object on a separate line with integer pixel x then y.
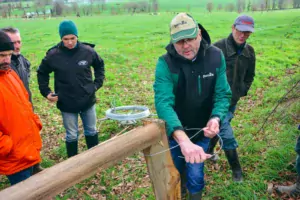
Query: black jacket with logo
{"type": "Point", "coordinates": [73, 79]}
{"type": "Point", "coordinates": [240, 67]}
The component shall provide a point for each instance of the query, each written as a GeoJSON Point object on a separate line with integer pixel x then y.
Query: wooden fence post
{"type": "Point", "coordinates": [164, 175]}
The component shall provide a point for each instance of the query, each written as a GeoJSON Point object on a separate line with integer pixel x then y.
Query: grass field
{"type": "Point", "coordinates": [130, 46]}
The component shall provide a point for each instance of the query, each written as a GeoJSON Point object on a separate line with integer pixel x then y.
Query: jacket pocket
{"type": "Point", "coordinates": [90, 88]}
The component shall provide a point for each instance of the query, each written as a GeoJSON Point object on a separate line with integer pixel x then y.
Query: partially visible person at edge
{"type": "Point", "coordinates": [240, 62]}
{"type": "Point", "coordinates": [293, 190]}
{"type": "Point", "coordinates": [71, 62]}
{"type": "Point", "coordinates": [20, 141]}
{"type": "Point", "coordinates": [191, 91]}
{"type": "Point", "coordinates": [22, 67]}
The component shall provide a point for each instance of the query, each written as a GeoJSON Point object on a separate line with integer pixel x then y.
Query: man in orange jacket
{"type": "Point", "coordinates": [20, 141]}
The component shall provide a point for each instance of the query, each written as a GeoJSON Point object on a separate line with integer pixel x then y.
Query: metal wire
{"type": "Point", "coordinates": [112, 113]}
{"type": "Point", "coordinates": [221, 144]}
{"type": "Point", "coordinates": [199, 130]}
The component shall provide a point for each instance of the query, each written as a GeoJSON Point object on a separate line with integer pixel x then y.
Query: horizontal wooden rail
{"type": "Point", "coordinates": [59, 177]}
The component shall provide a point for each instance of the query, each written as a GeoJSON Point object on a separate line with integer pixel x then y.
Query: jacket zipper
{"type": "Point", "coordinates": [235, 71]}
{"type": "Point", "coordinates": [199, 85]}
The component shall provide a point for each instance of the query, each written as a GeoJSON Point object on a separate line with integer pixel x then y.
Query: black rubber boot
{"type": "Point", "coordinates": [91, 141]}
{"type": "Point", "coordinates": [37, 168]}
{"type": "Point", "coordinates": [72, 148]}
{"type": "Point", "coordinates": [235, 165]}
{"type": "Point", "coordinates": [292, 190]}
{"type": "Point", "coordinates": [196, 196]}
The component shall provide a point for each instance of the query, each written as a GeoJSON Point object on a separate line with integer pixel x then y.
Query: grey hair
{"type": "Point", "coordinates": [10, 29]}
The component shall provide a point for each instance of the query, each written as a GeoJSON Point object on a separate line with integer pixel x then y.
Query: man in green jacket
{"type": "Point", "coordinates": [191, 92]}
{"type": "Point", "coordinates": [240, 62]}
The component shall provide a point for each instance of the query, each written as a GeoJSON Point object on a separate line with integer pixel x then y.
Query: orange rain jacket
{"type": "Point", "coordinates": [20, 141]}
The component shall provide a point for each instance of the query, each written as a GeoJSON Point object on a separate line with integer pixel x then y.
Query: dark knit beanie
{"type": "Point", "coordinates": [67, 27]}
{"type": "Point", "coordinates": [5, 42]}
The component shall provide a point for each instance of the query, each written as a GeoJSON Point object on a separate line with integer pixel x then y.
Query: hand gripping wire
{"type": "Point", "coordinates": [197, 133]}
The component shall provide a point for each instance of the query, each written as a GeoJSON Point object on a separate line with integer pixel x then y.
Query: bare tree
{"type": "Point", "coordinates": [103, 5]}
{"type": "Point", "coordinates": [19, 6]}
{"type": "Point", "coordinates": [267, 4]}
{"type": "Point", "coordinates": [209, 7]}
{"type": "Point", "coordinates": [281, 4]}
{"type": "Point", "coordinates": [188, 7]}
{"type": "Point", "coordinates": [296, 3]}
{"type": "Point", "coordinates": [75, 8]}
{"type": "Point", "coordinates": [220, 6]}
{"type": "Point", "coordinates": [58, 7]}
{"type": "Point", "coordinates": [254, 7]}
{"type": "Point", "coordinates": [9, 9]}
{"type": "Point", "coordinates": [154, 5]}
{"type": "Point", "coordinates": [86, 10]}
{"type": "Point", "coordinates": [239, 6]}
{"type": "Point", "coordinates": [91, 6]}
{"type": "Point", "coordinates": [143, 6]}
{"type": "Point", "coordinates": [112, 10]}
{"type": "Point", "coordinates": [262, 7]}
{"type": "Point", "coordinates": [249, 6]}
{"type": "Point", "coordinates": [230, 7]}
{"type": "Point", "coordinates": [274, 4]}
{"type": "Point", "coordinates": [4, 11]}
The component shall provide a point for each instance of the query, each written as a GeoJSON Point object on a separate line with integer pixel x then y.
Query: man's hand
{"type": "Point", "coordinates": [52, 98]}
{"type": "Point", "coordinates": [192, 152]}
{"type": "Point", "coordinates": [212, 128]}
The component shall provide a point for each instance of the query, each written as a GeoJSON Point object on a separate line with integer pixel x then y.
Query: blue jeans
{"type": "Point", "coordinates": [20, 176]}
{"type": "Point", "coordinates": [194, 172]}
{"type": "Point", "coordinates": [226, 132]}
{"type": "Point", "coordinates": [70, 121]}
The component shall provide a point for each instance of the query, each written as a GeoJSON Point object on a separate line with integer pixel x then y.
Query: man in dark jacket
{"type": "Point", "coordinates": [18, 62]}
{"type": "Point", "coordinates": [75, 89]}
{"type": "Point", "coordinates": [191, 91]}
{"type": "Point", "coordinates": [240, 70]}
{"type": "Point", "coordinates": [22, 67]}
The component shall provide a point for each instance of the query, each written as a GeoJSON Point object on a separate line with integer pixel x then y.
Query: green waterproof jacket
{"type": "Point", "coordinates": [188, 93]}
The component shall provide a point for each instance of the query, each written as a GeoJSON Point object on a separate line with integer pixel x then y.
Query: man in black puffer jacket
{"type": "Point", "coordinates": [75, 89]}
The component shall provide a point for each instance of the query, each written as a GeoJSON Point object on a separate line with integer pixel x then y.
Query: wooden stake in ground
{"type": "Point", "coordinates": [164, 175]}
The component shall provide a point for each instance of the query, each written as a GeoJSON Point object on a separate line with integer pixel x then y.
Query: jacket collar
{"type": "Point", "coordinates": [231, 50]}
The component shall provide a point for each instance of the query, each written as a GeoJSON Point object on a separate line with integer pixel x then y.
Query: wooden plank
{"type": "Point", "coordinates": [56, 179]}
{"type": "Point", "coordinates": [164, 175]}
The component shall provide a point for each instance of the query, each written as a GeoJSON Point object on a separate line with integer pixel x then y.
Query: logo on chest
{"type": "Point", "coordinates": [82, 63]}
{"type": "Point", "coordinates": [208, 75]}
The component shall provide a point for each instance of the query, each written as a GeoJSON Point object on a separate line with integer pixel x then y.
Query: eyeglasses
{"type": "Point", "coordinates": [187, 41]}
{"type": "Point", "coordinates": [246, 33]}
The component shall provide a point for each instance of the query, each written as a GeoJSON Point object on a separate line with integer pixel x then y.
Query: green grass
{"type": "Point", "coordinates": [130, 47]}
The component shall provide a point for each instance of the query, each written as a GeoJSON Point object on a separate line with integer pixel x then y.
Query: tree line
{"type": "Point", "coordinates": [254, 5]}
{"type": "Point", "coordinates": [44, 8]}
